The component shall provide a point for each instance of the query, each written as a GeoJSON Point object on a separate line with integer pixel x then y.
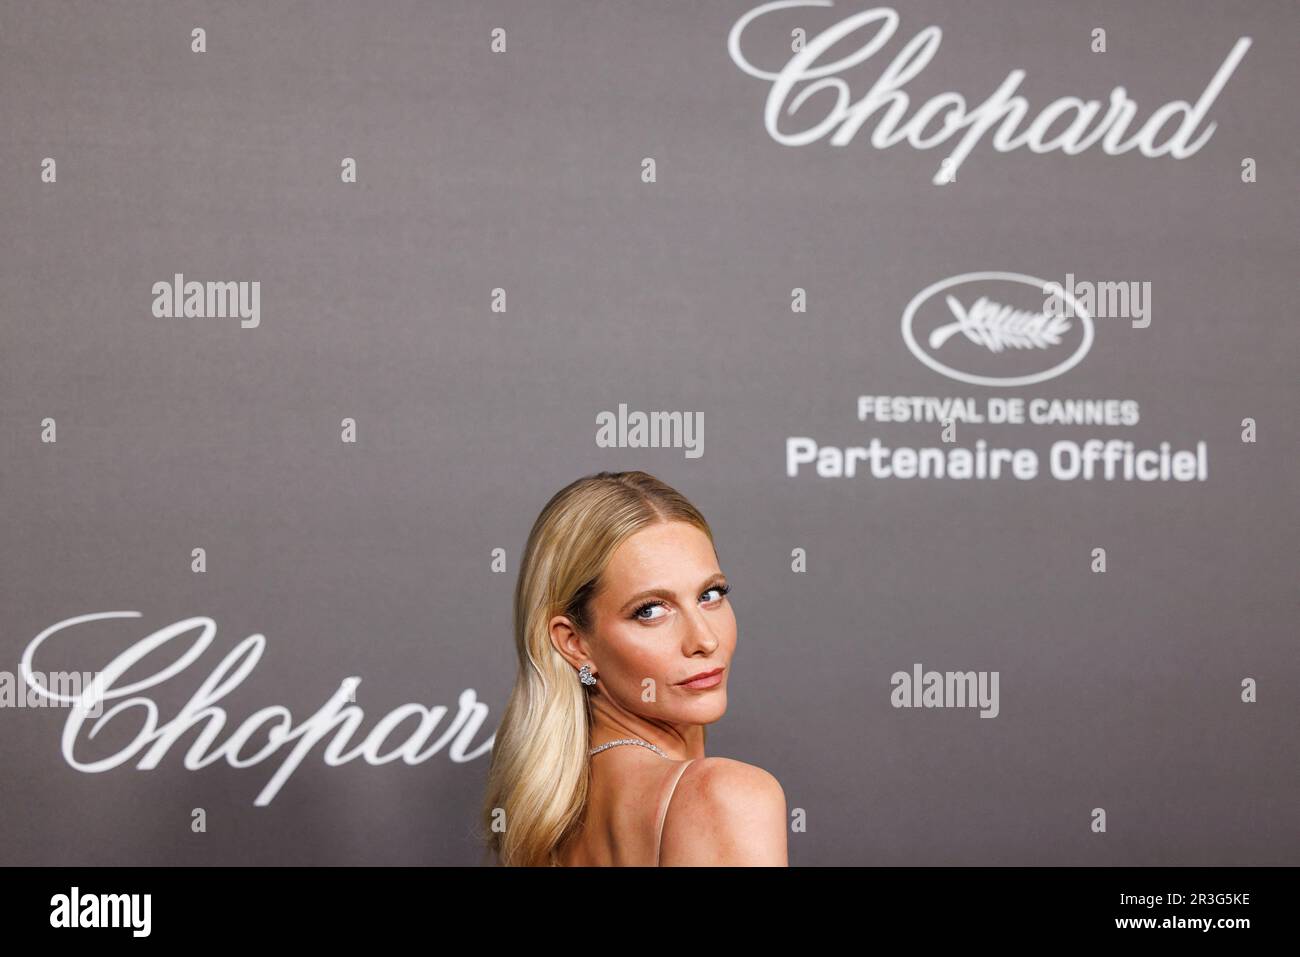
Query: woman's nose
{"type": "Point", "coordinates": [700, 631]}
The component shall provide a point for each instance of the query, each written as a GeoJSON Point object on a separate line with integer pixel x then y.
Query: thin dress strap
{"type": "Point", "coordinates": [663, 813]}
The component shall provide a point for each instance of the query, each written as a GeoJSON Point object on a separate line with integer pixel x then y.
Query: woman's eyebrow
{"type": "Point", "coordinates": [709, 582]}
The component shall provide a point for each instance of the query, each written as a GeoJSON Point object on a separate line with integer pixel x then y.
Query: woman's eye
{"type": "Point", "coordinates": [640, 615]}
{"type": "Point", "coordinates": [720, 589]}
{"type": "Point", "coordinates": [647, 607]}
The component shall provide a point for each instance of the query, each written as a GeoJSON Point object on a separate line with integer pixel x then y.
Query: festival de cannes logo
{"type": "Point", "coordinates": [997, 328]}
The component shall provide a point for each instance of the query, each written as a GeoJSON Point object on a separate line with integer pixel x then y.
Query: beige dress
{"type": "Point", "coordinates": [663, 810]}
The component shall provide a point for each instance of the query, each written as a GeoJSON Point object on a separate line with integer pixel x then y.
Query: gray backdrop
{"type": "Point", "coordinates": [524, 171]}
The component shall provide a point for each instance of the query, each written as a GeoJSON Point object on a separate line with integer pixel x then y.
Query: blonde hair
{"type": "Point", "coordinates": [539, 775]}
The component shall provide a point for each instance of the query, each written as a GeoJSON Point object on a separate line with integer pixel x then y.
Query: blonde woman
{"type": "Point", "coordinates": [625, 638]}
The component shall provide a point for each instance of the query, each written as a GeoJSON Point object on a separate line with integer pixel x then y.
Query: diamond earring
{"type": "Point", "coordinates": [585, 675]}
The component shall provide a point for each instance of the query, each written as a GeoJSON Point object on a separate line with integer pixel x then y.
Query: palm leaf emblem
{"type": "Point", "coordinates": [997, 327]}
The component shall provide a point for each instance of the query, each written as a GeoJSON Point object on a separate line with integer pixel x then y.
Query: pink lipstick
{"type": "Point", "coordinates": [705, 679]}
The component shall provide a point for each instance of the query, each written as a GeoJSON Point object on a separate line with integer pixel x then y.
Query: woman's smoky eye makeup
{"type": "Point", "coordinates": [721, 587]}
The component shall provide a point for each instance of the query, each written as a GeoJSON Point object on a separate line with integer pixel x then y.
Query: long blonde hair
{"type": "Point", "coordinates": [539, 776]}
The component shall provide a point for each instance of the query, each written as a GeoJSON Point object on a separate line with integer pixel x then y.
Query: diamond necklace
{"type": "Point", "coordinates": [610, 744]}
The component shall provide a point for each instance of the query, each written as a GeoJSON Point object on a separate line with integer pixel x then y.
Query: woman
{"type": "Point", "coordinates": [625, 637]}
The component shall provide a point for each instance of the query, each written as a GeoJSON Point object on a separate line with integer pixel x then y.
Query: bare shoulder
{"type": "Point", "coordinates": [725, 813]}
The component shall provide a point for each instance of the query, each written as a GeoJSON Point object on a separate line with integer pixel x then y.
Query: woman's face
{"type": "Point", "coordinates": [660, 617]}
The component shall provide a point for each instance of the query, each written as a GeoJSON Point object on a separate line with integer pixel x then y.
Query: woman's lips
{"type": "Point", "coordinates": [711, 680]}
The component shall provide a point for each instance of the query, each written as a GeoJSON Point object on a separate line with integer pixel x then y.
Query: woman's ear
{"type": "Point", "coordinates": [568, 642]}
